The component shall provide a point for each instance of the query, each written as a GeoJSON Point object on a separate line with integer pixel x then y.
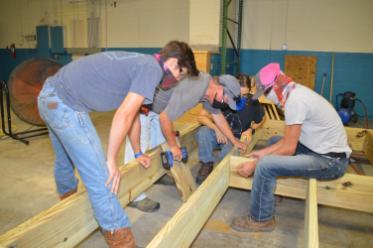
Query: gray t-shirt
{"type": "Point", "coordinates": [322, 129]}
{"type": "Point", "coordinates": [101, 81]}
{"type": "Point", "coordinates": [189, 92]}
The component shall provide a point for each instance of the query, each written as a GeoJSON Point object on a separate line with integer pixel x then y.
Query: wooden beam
{"type": "Point", "coordinates": [311, 226]}
{"type": "Point", "coordinates": [182, 175]}
{"type": "Point", "coordinates": [181, 230]}
{"type": "Point", "coordinates": [356, 136]}
{"type": "Point", "coordinates": [70, 221]}
{"type": "Point", "coordinates": [368, 147]}
{"type": "Point", "coordinates": [351, 191]}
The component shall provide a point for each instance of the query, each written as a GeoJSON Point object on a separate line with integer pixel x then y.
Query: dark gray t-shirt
{"type": "Point", "coordinates": [101, 81]}
{"type": "Point", "coordinates": [188, 93]}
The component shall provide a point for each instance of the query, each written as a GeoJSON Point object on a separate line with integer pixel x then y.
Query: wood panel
{"type": "Point", "coordinates": [203, 60]}
{"type": "Point", "coordinates": [302, 69]}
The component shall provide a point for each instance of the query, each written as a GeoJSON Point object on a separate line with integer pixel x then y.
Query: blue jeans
{"type": "Point", "coordinates": [76, 143]}
{"type": "Point", "coordinates": [151, 136]}
{"type": "Point", "coordinates": [305, 163]}
{"type": "Point", "coordinates": [206, 139]}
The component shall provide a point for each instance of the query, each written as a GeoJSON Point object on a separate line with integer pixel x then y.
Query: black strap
{"type": "Point", "coordinates": [336, 154]}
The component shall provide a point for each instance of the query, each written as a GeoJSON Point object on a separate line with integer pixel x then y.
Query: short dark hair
{"type": "Point", "coordinates": [244, 80]}
{"type": "Point", "coordinates": [184, 54]}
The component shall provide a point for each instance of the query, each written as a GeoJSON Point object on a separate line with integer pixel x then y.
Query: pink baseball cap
{"type": "Point", "coordinates": [265, 78]}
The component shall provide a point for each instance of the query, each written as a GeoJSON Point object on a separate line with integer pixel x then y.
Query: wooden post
{"type": "Point", "coordinates": [182, 175]}
{"type": "Point", "coordinates": [311, 228]}
{"type": "Point", "coordinates": [368, 147]}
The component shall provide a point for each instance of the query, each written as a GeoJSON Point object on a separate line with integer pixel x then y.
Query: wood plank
{"type": "Point", "coordinates": [368, 147]}
{"type": "Point", "coordinates": [351, 191]}
{"type": "Point", "coordinates": [202, 59]}
{"type": "Point", "coordinates": [182, 175]}
{"type": "Point", "coordinates": [270, 109]}
{"type": "Point", "coordinates": [356, 136]}
{"type": "Point", "coordinates": [70, 221]}
{"type": "Point", "coordinates": [311, 226]}
{"type": "Point", "coordinates": [181, 230]}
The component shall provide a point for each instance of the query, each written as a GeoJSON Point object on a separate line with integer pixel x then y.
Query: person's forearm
{"type": "Point", "coordinates": [223, 126]}
{"type": "Point", "coordinates": [120, 126]}
{"type": "Point", "coordinates": [122, 123]}
{"type": "Point", "coordinates": [204, 120]}
{"type": "Point", "coordinates": [279, 148]}
{"type": "Point", "coordinates": [134, 135]}
{"type": "Point", "coordinates": [167, 129]}
{"type": "Point", "coordinates": [272, 149]}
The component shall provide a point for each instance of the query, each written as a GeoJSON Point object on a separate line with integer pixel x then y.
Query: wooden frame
{"type": "Point", "coordinates": [70, 221]}
{"type": "Point", "coordinates": [351, 192]}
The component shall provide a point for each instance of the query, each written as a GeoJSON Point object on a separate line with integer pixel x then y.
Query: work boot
{"type": "Point", "coordinates": [145, 205]}
{"type": "Point", "coordinates": [67, 194]}
{"type": "Point", "coordinates": [204, 171]}
{"type": "Point", "coordinates": [166, 180]}
{"type": "Point", "coordinates": [121, 238]}
{"type": "Point", "coordinates": [248, 224]}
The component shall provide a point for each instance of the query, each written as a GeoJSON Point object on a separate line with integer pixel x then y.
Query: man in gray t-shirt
{"type": "Point", "coordinates": [314, 145]}
{"type": "Point", "coordinates": [103, 82]}
{"type": "Point", "coordinates": [169, 105]}
{"type": "Point", "coordinates": [192, 90]}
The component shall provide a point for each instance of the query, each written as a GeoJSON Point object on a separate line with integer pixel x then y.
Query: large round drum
{"type": "Point", "coordinates": [25, 83]}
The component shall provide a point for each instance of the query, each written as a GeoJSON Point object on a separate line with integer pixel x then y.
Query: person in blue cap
{"type": "Point", "coordinates": [243, 120]}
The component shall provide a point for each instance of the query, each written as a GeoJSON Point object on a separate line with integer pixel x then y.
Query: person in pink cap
{"type": "Point", "coordinates": [314, 145]}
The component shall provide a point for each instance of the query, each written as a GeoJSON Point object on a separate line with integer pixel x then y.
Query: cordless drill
{"type": "Point", "coordinates": [167, 156]}
{"type": "Point", "coordinates": [168, 159]}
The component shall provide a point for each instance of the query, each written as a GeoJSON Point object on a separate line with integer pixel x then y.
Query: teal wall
{"type": "Point", "coordinates": [352, 71]}
{"type": "Point", "coordinates": [8, 63]}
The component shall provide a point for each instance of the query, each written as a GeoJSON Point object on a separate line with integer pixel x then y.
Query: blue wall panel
{"type": "Point", "coordinates": [42, 37]}
{"type": "Point", "coordinates": [352, 71]}
{"type": "Point", "coordinates": [7, 63]}
{"type": "Point", "coordinates": [57, 39]}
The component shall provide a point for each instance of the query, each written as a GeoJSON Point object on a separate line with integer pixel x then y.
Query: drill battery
{"type": "Point", "coordinates": [168, 159]}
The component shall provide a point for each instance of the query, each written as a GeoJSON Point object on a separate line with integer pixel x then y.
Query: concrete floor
{"type": "Point", "coordinates": [27, 188]}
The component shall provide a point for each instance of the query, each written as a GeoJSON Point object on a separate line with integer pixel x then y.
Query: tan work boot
{"type": "Point", "coordinates": [204, 171]}
{"type": "Point", "coordinates": [145, 205]}
{"type": "Point", "coordinates": [121, 238]}
{"type": "Point", "coordinates": [67, 194]}
{"type": "Point", "coordinates": [248, 224]}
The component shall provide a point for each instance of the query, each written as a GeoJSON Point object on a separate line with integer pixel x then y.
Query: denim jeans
{"type": "Point", "coordinates": [150, 137]}
{"type": "Point", "coordinates": [206, 139]}
{"type": "Point", "coordinates": [76, 144]}
{"type": "Point", "coordinates": [305, 163]}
